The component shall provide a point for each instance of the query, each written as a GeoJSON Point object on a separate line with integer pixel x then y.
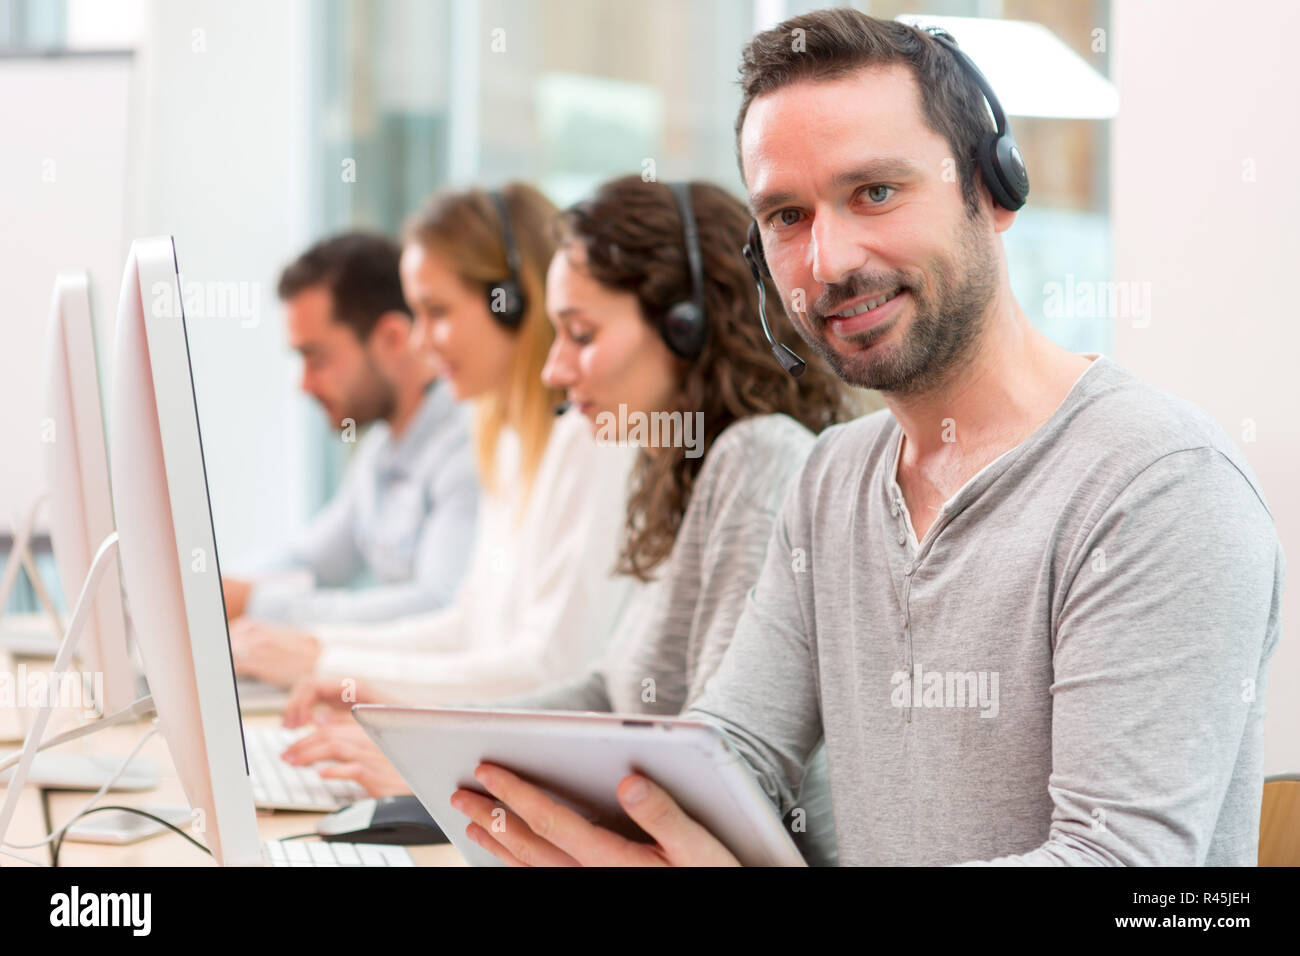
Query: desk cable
{"type": "Point", "coordinates": [144, 707]}
{"type": "Point", "coordinates": [58, 833]}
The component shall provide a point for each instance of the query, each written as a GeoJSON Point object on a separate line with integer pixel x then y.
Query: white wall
{"type": "Point", "coordinates": [63, 170]}
{"type": "Point", "coordinates": [1207, 100]}
{"type": "Point", "coordinates": [222, 138]}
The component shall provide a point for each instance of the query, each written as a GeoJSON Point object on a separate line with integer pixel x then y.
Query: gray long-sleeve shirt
{"type": "Point", "coordinates": [675, 628]}
{"type": "Point", "coordinates": [1069, 667]}
{"type": "Point", "coordinates": [405, 517]}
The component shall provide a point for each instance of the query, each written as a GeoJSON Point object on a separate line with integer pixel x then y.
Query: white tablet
{"type": "Point", "coordinates": [580, 759]}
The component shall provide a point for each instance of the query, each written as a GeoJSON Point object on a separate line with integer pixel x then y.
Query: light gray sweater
{"type": "Point", "coordinates": [1069, 667]}
{"type": "Point", "coordinates": [675, 628]}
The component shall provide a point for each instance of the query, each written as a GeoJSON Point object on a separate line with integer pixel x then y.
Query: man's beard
{"type": "Point", "coordinates": [374, 399]}
{"type": "Point", "coordinates": [949, 317]}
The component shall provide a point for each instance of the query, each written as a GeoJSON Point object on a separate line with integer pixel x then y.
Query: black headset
{"type": "Point", "coordinates": [997, 156]}
{"type": "Point", "coordinates": [684, 326]}
{"type": "Point", "coordinates": [753, 253]}
{"type": "Point", "coordinates": [505, 297]}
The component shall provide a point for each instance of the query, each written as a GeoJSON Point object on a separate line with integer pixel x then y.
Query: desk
{"type": "Point", "coordinates": [167, 849]}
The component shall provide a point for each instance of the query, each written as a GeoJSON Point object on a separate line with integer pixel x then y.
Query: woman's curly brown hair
{"type": "Point", "coordinates": [632, 234]}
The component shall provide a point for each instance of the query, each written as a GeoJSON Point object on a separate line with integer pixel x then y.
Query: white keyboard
{"type": "Point", "coordinates": [13, 726]}
{"type": "Point", "coordinates": [61, 771]}
{"type": "Point", "coordinates": [29, 635]}
{"type": "Point", "coordinates": [280, 786]}
{"type": "Point", "coordinates": [293, 853]}
{"type": "Point", "coordinates": [259, 697]}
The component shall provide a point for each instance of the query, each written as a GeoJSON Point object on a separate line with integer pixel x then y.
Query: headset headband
{"type": "Point", "coordinates": [691, 233]}
{"type": "Point", "coordinates": [507, 234]}
{"type": "Point", "coordinates": [947, 39]}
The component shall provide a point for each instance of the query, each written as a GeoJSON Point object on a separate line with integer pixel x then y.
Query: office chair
{"type": "Point", "coordinates": [1279, 821]}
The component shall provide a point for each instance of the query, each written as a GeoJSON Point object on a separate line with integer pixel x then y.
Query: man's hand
{"type": "Point", "coordinates": [236, 593]}
{"type": "Point", "coordinates": [534, 830]}
{"type": "Point", "coordinates": [336, 693]}
{"type": "Point", "coordinates": [277, 655]}
{"type": "Point", "coordinates": [357, 758]}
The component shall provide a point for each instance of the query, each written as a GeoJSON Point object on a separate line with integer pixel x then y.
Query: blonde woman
{"type": "Point", "coordinates": [540, 597]}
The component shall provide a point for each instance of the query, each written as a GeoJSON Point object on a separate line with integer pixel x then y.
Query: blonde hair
{"type": "Point", "coordinates": [464, 228]}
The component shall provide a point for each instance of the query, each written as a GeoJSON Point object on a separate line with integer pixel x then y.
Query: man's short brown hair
{"type": "Point", "coordinates": [831, 44]}
{"type": "Point", "coordinates": [360, 272]}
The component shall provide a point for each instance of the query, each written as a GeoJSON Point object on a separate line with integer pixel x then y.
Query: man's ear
{"type": "Point", "coordinates": [392, 332]}
{"type": "Point", "coordinates": [1001, 216]}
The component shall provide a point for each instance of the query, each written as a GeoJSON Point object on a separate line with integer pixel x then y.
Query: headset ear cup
{"type": "Point", "coordinates": [986, 159]}
{"type": "Point", "coordinates": [684, 329]}
{"type": "Point", "coordinates": [1012, 167]}
{"type": "Point", "coordinates": [506, 303]}
{"type": "Point", "coordinates": [1003, 170]}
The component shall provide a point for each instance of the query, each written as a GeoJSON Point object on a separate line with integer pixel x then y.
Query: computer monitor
{"type": "Point", "coordinates": [169, 556]}
{"type": "Point", "coordinates": [80, 501]}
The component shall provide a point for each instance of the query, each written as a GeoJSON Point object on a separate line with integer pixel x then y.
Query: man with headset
{"type": "Point", "coordinates": [1030, 605]}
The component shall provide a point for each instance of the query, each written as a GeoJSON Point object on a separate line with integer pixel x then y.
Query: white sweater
{"type": "Point", "coordinates": [539, 599]}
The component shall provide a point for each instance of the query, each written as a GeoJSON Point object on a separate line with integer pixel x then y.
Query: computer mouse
{"type": "Point", "coordinates": [398, 821]}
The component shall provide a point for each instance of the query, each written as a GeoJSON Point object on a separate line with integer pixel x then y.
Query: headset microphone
{"type": "Point", "coordinates": [561, 408]}
{"type": "Point", "coordinates": [753, 252]}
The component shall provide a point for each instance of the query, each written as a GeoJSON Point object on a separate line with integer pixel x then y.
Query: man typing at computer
{"type": "Point", "coordinates": [405, 515]}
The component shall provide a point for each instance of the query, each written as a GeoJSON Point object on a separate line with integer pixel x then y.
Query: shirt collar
{"type": "Point", "coordinates": [994, 468]}
{"type": "Point", "coordinates": [398, 456]}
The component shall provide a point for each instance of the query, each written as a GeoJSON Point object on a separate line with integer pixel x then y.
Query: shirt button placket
{"type": "Point", "coordinates": [896, 510]}
{"type": "Point", "coordinates": [907, 637]}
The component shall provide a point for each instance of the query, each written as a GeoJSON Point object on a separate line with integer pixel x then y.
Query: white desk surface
{"type": "Point", "coordinates": [167, 849]}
